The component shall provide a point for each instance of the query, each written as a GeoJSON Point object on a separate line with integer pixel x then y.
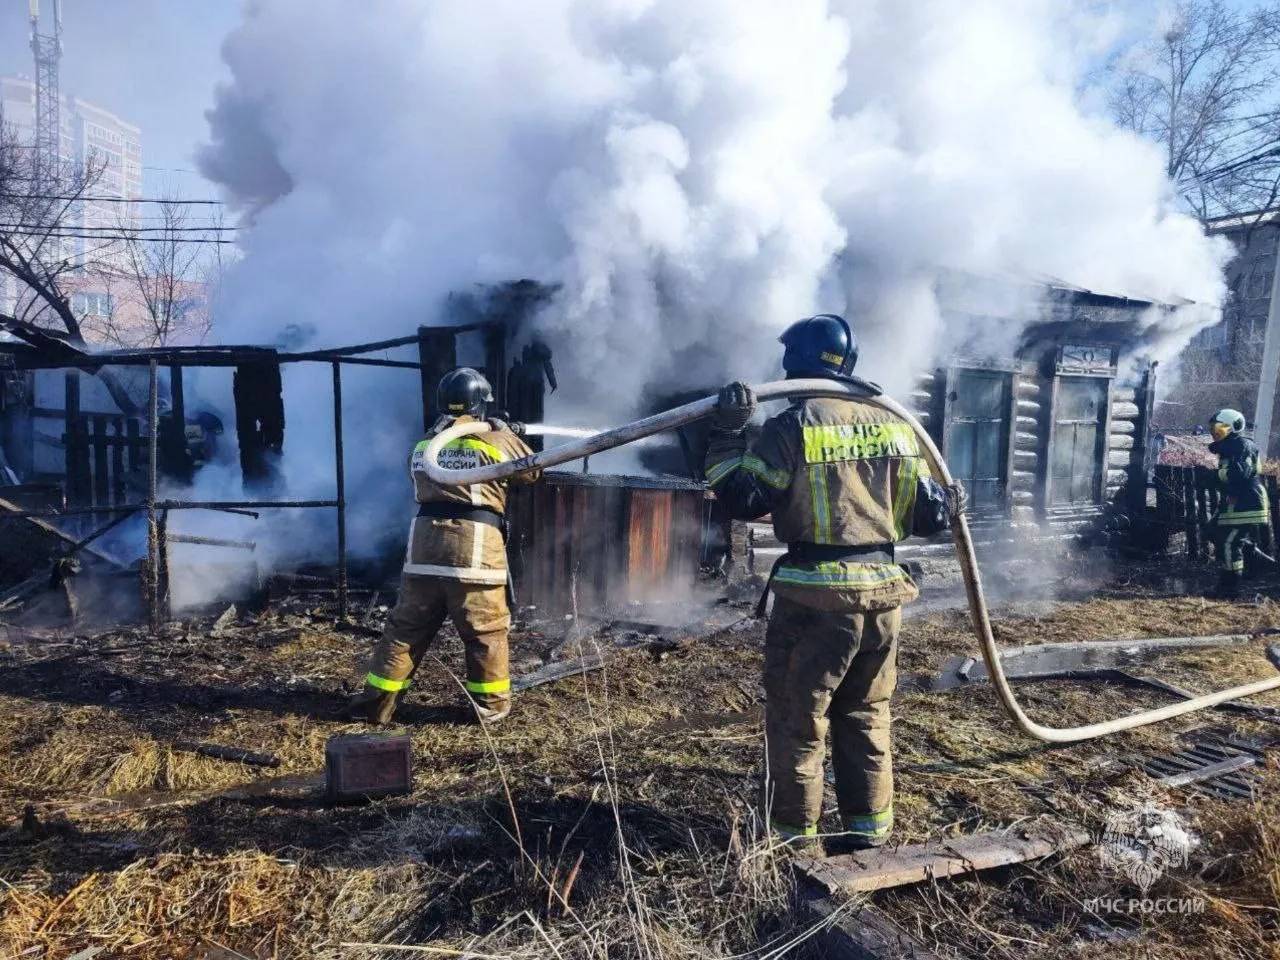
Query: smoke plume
{"type": "Point", "coordinates": [695, 175]}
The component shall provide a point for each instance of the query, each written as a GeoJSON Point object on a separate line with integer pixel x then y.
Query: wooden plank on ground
{"type": "Point", "coordinates": [558, 670]}
{"type": "Point", "coordinates": [917, 862]}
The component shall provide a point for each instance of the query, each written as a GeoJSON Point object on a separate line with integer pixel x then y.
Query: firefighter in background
{"type": "Point", "coordinates": [456, 564]}
{"type": "Point", "coordinates": [844, 481]}
{"type": "Point", "coordinates": [1244, 500]}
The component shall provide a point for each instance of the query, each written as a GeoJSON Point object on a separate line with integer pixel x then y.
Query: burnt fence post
{"type": "Point", "coordinates": [153, 521]}
{"type": "Point", "coordinates": [1202, 509]}
{"type": "Point", "coordinates": [1273, 500]}
{"type": "Point", "coordinates": [117, 461]}
{"type": "Point", "coordinates": [1162, 478]}
{"type": "Point", "coordinates": [133, 443]}
{"type": "Point", "coordinates": [1188, 487]}
{"type": "Point", "coordinates": [101, 472]}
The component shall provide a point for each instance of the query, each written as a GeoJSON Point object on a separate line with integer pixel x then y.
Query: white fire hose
{"type": "Point", "coordinates": [859, 390]}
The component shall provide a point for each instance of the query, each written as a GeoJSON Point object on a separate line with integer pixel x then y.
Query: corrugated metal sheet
{"type": "Point", "coordinates": [594, 542]}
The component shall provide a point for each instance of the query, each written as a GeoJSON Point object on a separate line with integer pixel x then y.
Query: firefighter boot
{"type": "Point", "coordinates": [844, 843]}
{"type": "Point", "coordinates": [372, 706]}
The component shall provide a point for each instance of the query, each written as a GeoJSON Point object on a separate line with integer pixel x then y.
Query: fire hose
{"type": "Point", "coordinates": [853, 389]}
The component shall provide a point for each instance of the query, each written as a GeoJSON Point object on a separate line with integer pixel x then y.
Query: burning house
{"type": "Point", "coordinates": [1046, 428]}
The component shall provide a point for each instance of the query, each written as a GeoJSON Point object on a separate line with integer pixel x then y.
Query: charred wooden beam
{"type": "Point", "coordinates": [19, 514]}
{"type": "Point", "coordinates": [859, 931]}
{"type": "Point", "coordinates": [232, 754]}
{"type": "Point", "coordinates": [212, 541]}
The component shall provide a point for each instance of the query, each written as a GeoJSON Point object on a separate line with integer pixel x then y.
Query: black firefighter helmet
{"type": "Point", "coordinates": [463, 392]}
{"type": "Point", "coordinates": [821, 346]}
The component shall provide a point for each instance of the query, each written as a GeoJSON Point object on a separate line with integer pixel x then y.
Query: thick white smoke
{"type": "Point", "coordinates": [696, 174]}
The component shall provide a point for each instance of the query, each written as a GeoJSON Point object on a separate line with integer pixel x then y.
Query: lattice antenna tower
{"type": "Point", "coordinates": [47, 49]}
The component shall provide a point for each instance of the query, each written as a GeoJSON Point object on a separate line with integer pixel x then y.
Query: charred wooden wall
{"type": "Point", "coordinates": [591, 543]}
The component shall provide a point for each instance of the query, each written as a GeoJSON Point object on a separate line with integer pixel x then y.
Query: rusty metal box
{"type": "Point", "coordinates": [361, 766]}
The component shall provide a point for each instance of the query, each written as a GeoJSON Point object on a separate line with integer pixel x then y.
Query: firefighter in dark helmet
{"type": "Point", "coordinates": [844, 481]}
{"type": "Point", "coordinates": [1244, 499]}
{"type": "Point", "coordinates": [456, 563]}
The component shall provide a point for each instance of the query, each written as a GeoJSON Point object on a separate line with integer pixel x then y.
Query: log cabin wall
{"type": "Point", "coordinates": [1072, 442]}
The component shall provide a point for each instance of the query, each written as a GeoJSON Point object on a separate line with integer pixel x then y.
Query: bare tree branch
{"type": "Point", "coordinates": [39, 215]}
{"type": "Point", "coordinates": [1208, 91]}
{"type": "Point", "coordinates": [168, 272]}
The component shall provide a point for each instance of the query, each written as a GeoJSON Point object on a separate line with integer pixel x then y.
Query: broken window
{"type": "Point", "coordinates": [978, 435]}
{"type": "Point", "coordinates": [1076, 461]}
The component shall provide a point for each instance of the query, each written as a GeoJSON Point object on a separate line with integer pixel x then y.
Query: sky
{"type": "Point", "coordinates": [152, 62]}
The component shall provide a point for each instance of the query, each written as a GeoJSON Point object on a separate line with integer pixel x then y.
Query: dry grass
{"type": "Point", "coordinates": [632, 791]}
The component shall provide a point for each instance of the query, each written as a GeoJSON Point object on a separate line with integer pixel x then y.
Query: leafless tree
{"type": "Point", "coordinates": [44, 246]}
{"type": "Point", "coordinates": [162, 278]}
{"type": "Point", "coordinates": [1208, 91]}
{"type": "Point", "coordinates": [42, 242]}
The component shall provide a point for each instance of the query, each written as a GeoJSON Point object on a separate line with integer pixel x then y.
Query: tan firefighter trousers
{"type": "Point", "coordinates": [480, 613]}
{"type": "Point", "coordinates": [829, 670]}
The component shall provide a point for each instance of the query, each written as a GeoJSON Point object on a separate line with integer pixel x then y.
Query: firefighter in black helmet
{"type": "Point", "coordinates": [456, 565]}
{"type": "Point", "coordinates": [844, 481]}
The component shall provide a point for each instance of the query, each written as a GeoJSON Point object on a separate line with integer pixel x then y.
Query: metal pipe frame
{"type": "Point", "coordinates": [177, 359]}
{"type": "Point", "coordinates": [851, 389]}
{"type": "Point", "coordinates": [153, 529]}
{"type": "Point", "coordinates": [340, 478]}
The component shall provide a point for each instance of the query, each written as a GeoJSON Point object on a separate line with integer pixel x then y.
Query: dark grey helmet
{"type": "Point", "coordinates": [463, 392]}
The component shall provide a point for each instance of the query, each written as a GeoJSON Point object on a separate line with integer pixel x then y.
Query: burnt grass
{"type": "Point", "coordinates": [611, 816]}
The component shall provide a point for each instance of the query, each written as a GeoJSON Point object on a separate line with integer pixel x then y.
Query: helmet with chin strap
{"type": "Point", "coordinates": [1226, 422]}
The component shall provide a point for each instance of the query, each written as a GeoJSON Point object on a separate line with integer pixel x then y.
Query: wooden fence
{"type": "Point", "coordinates": [1188, 497]}
{"type": "Point", "coordinates": [102, 453]}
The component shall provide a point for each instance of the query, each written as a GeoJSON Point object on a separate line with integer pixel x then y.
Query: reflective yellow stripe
{"type": "Point", "coordinates": [871, 824]}
{"type": "Point", "coordinates": [788, 832]}
{"type": "Point", "coordinates": [836, 573]}
{"type": "Point", "coordinates": [382, 683]}
{"type": "Point", "coordinates": [718, 471]}
{"type": "Point", "coordinates": [489, 686]}
{"type": "Point", "coordinates": [905, 497]}
{"type": "Point", "coordinates": [821, 507]}
{"type": "Point", "coordinates": [833, 443]}
{"type": "Point", "coordinates": [1232, 518]}
{"type": "Point", "coordinates": [465, 574]}
{"type": "Point", "coordinates": [778, 479]}
{"type": "Point", "coordinates": [471, 443]}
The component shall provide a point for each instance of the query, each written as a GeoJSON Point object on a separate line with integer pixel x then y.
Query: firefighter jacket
{"type": "Point", "coordinates": [832, 473]}
{"type": "Point", "coordinates": [1240, 479]}
{"type": "Point", "coordinates": [463, 549]}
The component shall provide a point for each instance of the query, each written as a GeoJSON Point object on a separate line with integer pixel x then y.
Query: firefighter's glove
{"type": "Point", "coordinates": [497, 424]}
{"type": "Point", "coordinates": [957, 498]}
{"type": "Point", "coordinates": [734, 408]}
